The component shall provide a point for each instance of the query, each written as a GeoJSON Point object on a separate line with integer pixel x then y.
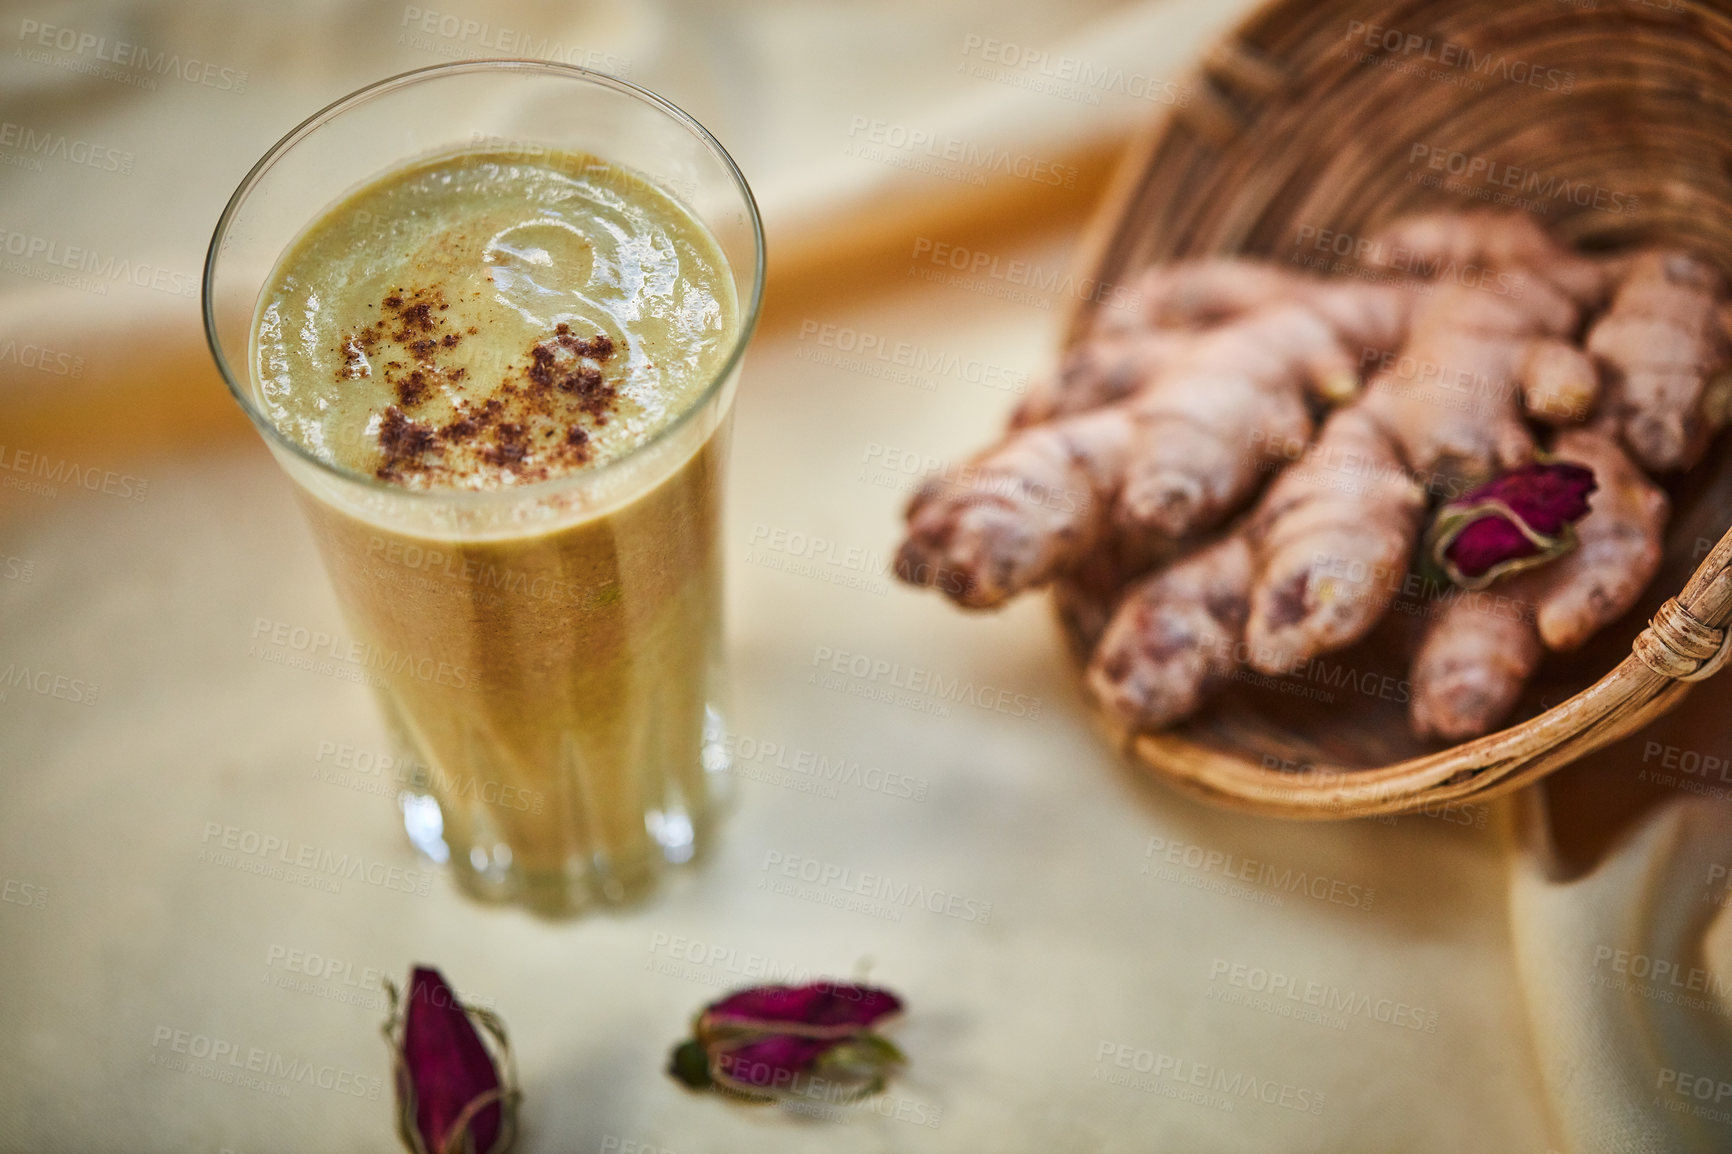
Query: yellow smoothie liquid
{"type": "Point", "coordinates": [490, 320]}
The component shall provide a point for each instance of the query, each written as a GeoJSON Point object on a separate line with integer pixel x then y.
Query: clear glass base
{"type": "Point", "coordinates": [678, 834]}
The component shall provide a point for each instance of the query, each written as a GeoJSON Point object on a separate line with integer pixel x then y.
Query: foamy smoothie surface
{"type": "Point", "coordinates": [491, 318]}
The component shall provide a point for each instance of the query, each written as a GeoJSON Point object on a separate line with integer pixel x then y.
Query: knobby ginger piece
{"type": "Point", "coordinates": [1205, 434]}
{"type": "Point", "coordinates": [1663, 341]}
{"type": "Point", "coordinates": [1560, 382]}
{"type": "Point", "coordinates": [1492, 337]}
{"type": "Point", "coordinates": [1203, 293]}
{"type": "Point", "coordinates": [1458, 246]}
{"type": "Point", "coordinates": [1174, 637]}
{"type": "Point", "coordinates": [1329, 533]}
{"type": "Point", "coordinates": [1476, 658]}
{"type": "Point", "coordinates": [1457, 418]}
{"type": "Point", "coordinates": [1619, 545]}
{"type": "Point", "coordinates": [1302, 575]}
{"type": "Point", "coordinates": [1097, 372]}
{"type": "Point", "coordinates": [1019, 515]}
{"type": "Point", "coordinates": [1176, 457]}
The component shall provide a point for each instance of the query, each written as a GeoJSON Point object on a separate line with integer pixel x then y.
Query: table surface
{"type": "Point", "coordinates": [1090, 961]}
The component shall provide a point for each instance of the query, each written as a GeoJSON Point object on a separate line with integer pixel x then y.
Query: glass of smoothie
{"type": "Point", "coordinates": [489, 318]}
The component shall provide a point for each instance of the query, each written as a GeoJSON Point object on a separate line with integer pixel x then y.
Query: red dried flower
{"type": "Point", "coordinates": [455, 1094]}
{"type": "Point", "coordinates": [1520, 519]}
{"type": "Point", "coordinates": [773, 1042]}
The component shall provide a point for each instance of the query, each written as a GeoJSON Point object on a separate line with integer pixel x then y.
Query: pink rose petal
{"type": "Point", "coordinates": [447, 1065]}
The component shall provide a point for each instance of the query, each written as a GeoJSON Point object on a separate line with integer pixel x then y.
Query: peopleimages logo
{"type": "Point", "coordinates": [222, 1060]}
{"type": "Point", "coordinates": [41, 358]}
{"type": "Point", "coordinates": [924, 690]}
{"type": "Point", "coordinates": [893, 467]}
{"type": "Point", "coordinates": [878, 354]}
{"type": "Point", "coordinates": [303, 647]}
{"type": "Point", "coordinates": [1702, 1087]}
{"type": "Point", "coordinates": [42, 474]}
{"type": "Point", "coordinates": [1693, 762]}
{"type": "Point", "coordinates": [86, 269]}
{"type": "Point", "coordinates": [1428, 268]}
{"type": "Point", "coordinates": [713, 964]}
{"type": "Point", "coordinates": [31, 144]}
{"type": "Point", "coordinates": [1493, 179]}
{"type": "Point", "coordinates": [450, 571]}
{"type": "Point", "coordinates": [279, 858]}
{"type": "Point", "coordinates": [1065, 76]}
{"type": "Point", "coordinates": [810, 771]}
{"type": "Point", "coordinates": [47, 683]}
{"type": "Point", "coordinates": [22, 893]}
{"type": "Point", "coordinates": [1424, 48]}
{"type": "Point", "coordinates": [1164, 857]}
{"type": "Point", "coordinates": [142, 64]}
{"type": "Point", "coordinates": [1323, 996]}
{"type": "Point", "coordinates": [817, 557]}
{"type": "Point", "coordinates": [861, 891]}
{"type": "Point", "coordinates": [384, 775]}
{"type": "Point", "coordinates": [1671, 979]}
{"type": "Point", "coordinates": [465, 39]}
{"type": "Point", "coordinates": [869, 137]}
{"type": "Point", "coordinates": [1119, 1063]}
{"type": "Point", "coordinates": [957, 264]}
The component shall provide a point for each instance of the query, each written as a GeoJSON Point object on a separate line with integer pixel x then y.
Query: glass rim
{"type": "Point", "coordinates": [276, 438]}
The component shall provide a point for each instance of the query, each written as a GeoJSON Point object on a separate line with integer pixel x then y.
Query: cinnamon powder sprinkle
{"type": "Point", "coordinates": [529, 428]}
{"type": "Point", "coordinates": [403, 441]}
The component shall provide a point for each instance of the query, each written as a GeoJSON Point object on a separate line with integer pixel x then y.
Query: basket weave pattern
{"type": "Point", "coordinates": [1611, 120]}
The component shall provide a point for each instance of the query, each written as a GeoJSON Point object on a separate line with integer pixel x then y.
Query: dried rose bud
{"type": "Point", "coordinates": [773, 1042]}
{"type": "Point", "coordinates": [455, 1094]}
{"type": "Point", "coordinates": [1520, 519]}
{"type": "Point", "coordinates": [820, 1009]}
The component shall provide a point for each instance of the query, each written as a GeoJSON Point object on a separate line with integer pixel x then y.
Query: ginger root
{"type": "Point", "coordinates": [1560, 382]}
{"type": "Point", "coordinates": [1328, 530]}
{"type": "Point", "coordinates": [1454, 245]}
{"type": "Point", "coordinates": [1183, 451]}
{"type": "Point", "coordinates": [1663, 341]}
{"type": "Point", "coordinates": [1481, 354]}
{"type": "Point", "coordinates": [1098, 372]}
{"type": "Point", "coordinates": [1174, 638]}
{"type": "Point", "coordinates": [1129, 347]}
{"type": "Point", "coordinates": [1619, 545]}
{"type": "Point", "coordinates": [1470, 671]}
{"type": "Point", "coordinates": [1132, 475]}
{"type": "Point", "coordinates": [1297, 579]}
{"type": "Point", "coordinates": [1346, 516]}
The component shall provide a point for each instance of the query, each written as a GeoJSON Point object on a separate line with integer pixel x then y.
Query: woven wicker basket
{"type": "Point", "coordinates": [1618, 116]}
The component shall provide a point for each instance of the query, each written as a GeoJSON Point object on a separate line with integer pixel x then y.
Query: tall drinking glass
{"type": "Point", "coordinates": [548, 654]}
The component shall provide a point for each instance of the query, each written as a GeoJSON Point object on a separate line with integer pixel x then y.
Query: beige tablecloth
{"type": "Point", "coordinates": [1093, 964]}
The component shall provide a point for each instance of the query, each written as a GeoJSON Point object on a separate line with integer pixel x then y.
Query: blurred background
{"type": "Point", "coordinates": [130, 123]}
